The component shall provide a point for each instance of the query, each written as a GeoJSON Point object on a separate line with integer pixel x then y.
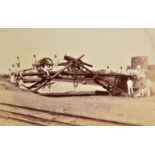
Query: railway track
{"type": "Point", "coordinates": [47, 118]}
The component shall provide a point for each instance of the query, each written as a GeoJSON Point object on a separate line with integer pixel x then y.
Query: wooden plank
{"type": "Point", "coordinates": [73, 93]}
{"type": "Point", "coordinates": [79, 73]}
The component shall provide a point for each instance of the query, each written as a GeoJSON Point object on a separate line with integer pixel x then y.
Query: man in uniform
{"type": "Point", "coordinates": [13, 68]}
{"type": "Point", "coordinates": [148, 87]}
{"type": "Point", "coordinates": [121, 70]}
{"type": "Point", "coordinates": [12, 73]}
{"type": "Point", "coordinates": [18, 65]}
{"type": "Point", "coordinates": [34, 62]}
{"type": "Point", "coordinates": [56, 62]}
{"type": "Point", "coordinates": [47, 69]}
{"type": "Point", "coordinates": [130, 87]}
{"type": "Point", "coordinates": [107, 71]}
{"type": "Point", "coordinates": [18, 62]}
{"type": "Point", "coordinates": [142, 88]}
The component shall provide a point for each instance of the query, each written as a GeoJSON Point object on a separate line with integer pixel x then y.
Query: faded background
{"type": "Point", "coordinates": [102, 47]}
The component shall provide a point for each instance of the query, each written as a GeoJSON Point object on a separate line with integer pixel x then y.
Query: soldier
{"type": "Point", "coordinates": [47, 69]}
{"type": "Point", "coordinates": [139, 67]}
{"type": "Point", "coordinates": [142, 74]}
{"type": "Point", "coordinates": [121, 70]}
{"type": "Point", "coordinates": [12, 73]}
{"type": "Point", "coordinates": [13, 68]}
{"type": "Point", "coordinates": [128, 70]}
{"type": "Point", "coordinates": [142, 88]}
{"type": "Point", "coordinates": [34, 62]}
{"type": "Point", "coordinates": [18, 63]}
{"type": "Point", "coordinates": [148, 87]}
{"type": "Point", "coordinates": [21, 83]}
{"type": "Point", "coordinates": [139, 72]}
{"type": "Point", "coordinates": [18, 70]}
{"type": "Point", "coordinates": [107, 71]}
{"type": "Point", "coordinates": [56, 62]}
{"type": "Point", "coordinates": [56, 59]}
{"type": "Point", "coordinates": [130, 87]}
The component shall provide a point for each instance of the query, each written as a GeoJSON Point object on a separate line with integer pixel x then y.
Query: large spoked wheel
{"type": "Point", "coordinates": [44, 62]}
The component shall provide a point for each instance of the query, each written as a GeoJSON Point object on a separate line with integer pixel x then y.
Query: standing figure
{"type": "Point", "coordinates": [130, 87]}
{"type": "Point", "coordinates": [13, 68]}
{"type": "Point", "coordinates": [148, 87]}
{"type": "Point", "coordinates": [56, 59]}
{"type": "Point", "coordinates": [19, 73]}
{"type": "Point", "coordinates": [108, 70]}
{"type": "Point", "coordinates": [34, 62]}
{"type": "Point", "coordinates": [56, 62]}
{"type": "Point", "coordinates": [128, 70]}
{"type": "Point", "coordinates": [142, 88]}
{"type": "Point", "coordinates": [139, 67]}
{"type": "Point", "coordinates": [142, 74]}
{"type": "Point", "coordinates": [21, 83]}
{"type": "Point", "coordinates": [121, 70]}
{"type": "Point", "coordinates": [47, 69]}
{"type": "Point", "coordinates": [18, 64]}
{"type": "Point", "coordinates": [12, 74]}
{"type": "Point", "coordinates": [138, 71]}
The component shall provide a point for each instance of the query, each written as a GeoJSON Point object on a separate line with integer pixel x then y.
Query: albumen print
{"type": "Point", "coordinates": [77, 77]}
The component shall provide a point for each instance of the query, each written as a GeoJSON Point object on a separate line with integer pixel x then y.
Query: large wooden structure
{"type": "Point", "coordinates": [76, 71]}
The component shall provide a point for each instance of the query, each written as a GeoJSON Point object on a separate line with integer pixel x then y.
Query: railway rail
{"type": "Point", "coordinates": [48, 118]}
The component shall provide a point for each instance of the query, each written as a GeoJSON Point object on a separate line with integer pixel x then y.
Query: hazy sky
{"type": "Point", "coordinates": [102, 47]}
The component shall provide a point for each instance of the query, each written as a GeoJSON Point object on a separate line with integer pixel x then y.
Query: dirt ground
{"type": "Point", "coordinates": [139, 111]}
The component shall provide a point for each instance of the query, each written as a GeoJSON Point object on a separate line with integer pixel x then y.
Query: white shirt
{"type": "Point", "coordinates": [130, 83]}
{"type": "Point", "coordinates": [149, 83]}
{"type": "Point", "coordinates": [128, 72]}
{"type": "Point", "coordinates": [120, 71]}
{"type": "Point", "coordinates": [47, 68]}
{"type": "Point", "coordinates": [34, 61]}
{"type": "Point", "coordinates": [21, 83]}
{"type": "Point", "coordinates": [107, 71]}
{"type": "Point", "coordinates": [18, 63]}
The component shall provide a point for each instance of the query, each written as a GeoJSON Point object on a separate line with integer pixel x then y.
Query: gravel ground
{"type": "Point", "coordinates": [139, 111]}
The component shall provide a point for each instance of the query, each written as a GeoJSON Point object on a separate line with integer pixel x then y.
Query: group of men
{"type": "Point", "coordinates": [16, 71]}
{"type": "Point", "coordinates": [128, 71]}
{"type": "Point", "coordinates": [144, 88]}
{"type": "Point", "coordinates": [120, 71]}
{"type": "Point", "coordinates": [144, 83]}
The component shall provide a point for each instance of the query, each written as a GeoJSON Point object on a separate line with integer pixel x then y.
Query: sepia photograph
{"type": "Point", "coordinates": [77, 77]}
